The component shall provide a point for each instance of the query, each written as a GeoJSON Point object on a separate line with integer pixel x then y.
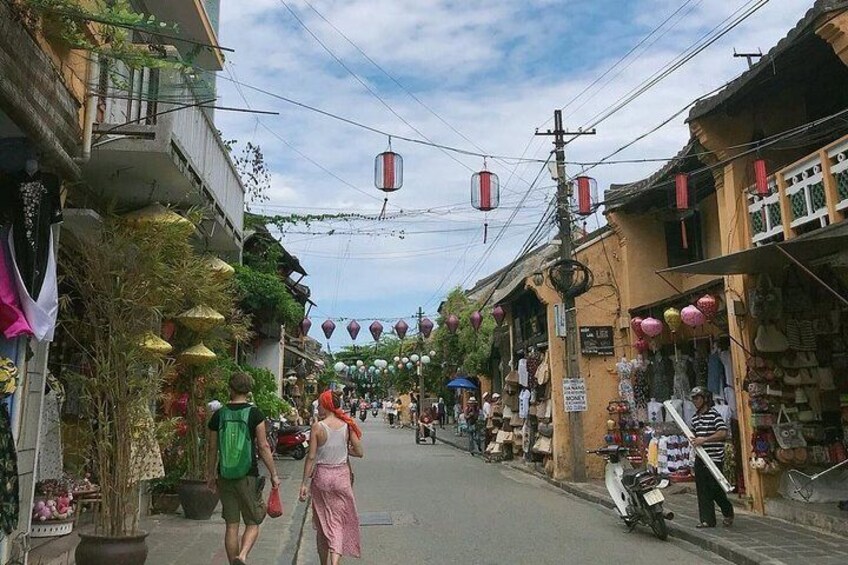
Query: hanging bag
{"type": "Point", "coordinates": [789, 434]}
{"type": "Point", "coordinates": [275, 505]}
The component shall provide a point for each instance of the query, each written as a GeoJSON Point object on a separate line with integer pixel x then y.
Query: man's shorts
{"type": "Point", "coordinates": [241, 499]}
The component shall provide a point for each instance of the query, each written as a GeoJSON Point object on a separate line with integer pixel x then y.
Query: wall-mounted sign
{"type": "Point", "coordinates": [596, 340]}
{"type": "Point", "coordinates": [559, 320]}
{"type": "Point", "coordinates": [574, 392]}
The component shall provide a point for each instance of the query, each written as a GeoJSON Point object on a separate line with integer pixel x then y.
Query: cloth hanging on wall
{"type": "Point", "coordinates": [9, 495]}
{"type": "Point", "coordinates": [35, 206]}
{"type": "Point", "coordinates": [50, 451]}
{"type": "Point", "coordinates": [715, 374]}
{"type": "Point", "coordinates": [41, 312]}
{"type": "Point", "coordinates": [13, 322]}
{"type": "Point", "coordinates": [524, 403]}
{"type": "Point", "coordinates": [523, 375]}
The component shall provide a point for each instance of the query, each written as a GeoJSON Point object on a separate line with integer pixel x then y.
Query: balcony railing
{"type": "Point", "coordinates": [810, 193]}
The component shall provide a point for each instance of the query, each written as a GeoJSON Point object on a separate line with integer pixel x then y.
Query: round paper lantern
{"type": "Point", "coordinates": [340, 367]}
{"type": "Point", "coordinates": [672, 318]}
{"type": "Point", "coordinates": [476, 320]}
{"type": "Point", "coordinates": [328, 327]}
{"type": "Point", "coordinates": [396, 359]}
{"type": "Point", "coordinates": [353, 329]}
{"type": "Point", "coordinates": [425, 359]}
{"type": "Point", "coordinates": [708, 305]}
{"type": "Point", "coordinates": [414, 358]}
{"type": "Point", "coordinates": [425, 327]}
{"type": "Point", "coordinates": [651, 327]}
{"type": "Point", "coordinates": [636, 326]}
{"type": "Point", "coordinates": [485, 190]}
{"type": "Point", "coordinates": [498, 314]}
{"type": "Point", "coordinates": [305, 326]}
{"type": "Point", "coordinates": [405, 360]}
{"type": "Point", "coordinates": [409, 365]}
{"type": "Point", "coordinates": [452, 323]}
{"type": "Point", "coordinates": [641, 346]}
{"type": "Point", "coordinates": [376, 329]}
{"type": "Point", "coordinates": [401, 328]}
{"type": "Point", "coordinates": [359, 363]}
{"type": "Point", "coordinates": [692, 317]}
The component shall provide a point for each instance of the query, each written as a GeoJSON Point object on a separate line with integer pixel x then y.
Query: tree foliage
{"type": "Point", "coordinates": [266, 297]}
{"type": "Point", "coordinates": [466, 351]}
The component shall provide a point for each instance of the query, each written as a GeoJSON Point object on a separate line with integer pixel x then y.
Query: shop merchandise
{"type": "Point", "coordinates": [523, 375]}
{"type": "Point", "coordinates": [41, 311]}
{"type": "Point", "coordinates": [13, 322]}
{"type": "Point", "coordinates": [50, 452]}
{"type": "Point", "coordinates": [682, 385]}
{"type": "Point", "coordinates": [9, 495]}
{"type": "Point", "coordinates": [524, 403]}
{"type": "Point", "coordinates": [715, 374]}
{"type": "Point", "coordinates": [625, 385]}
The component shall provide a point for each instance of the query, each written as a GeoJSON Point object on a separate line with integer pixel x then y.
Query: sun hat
{"type": "Point", "coordinates": [496, 395]}
{"type": "Point", "coordinates": [472, 400]}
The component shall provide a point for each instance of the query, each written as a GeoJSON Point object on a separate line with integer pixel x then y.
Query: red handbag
{"type": "Point", "coordinates": [275, 505]}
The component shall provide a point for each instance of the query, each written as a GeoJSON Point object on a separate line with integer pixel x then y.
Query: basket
{"type": "Point", "coordinates": [51, 528]}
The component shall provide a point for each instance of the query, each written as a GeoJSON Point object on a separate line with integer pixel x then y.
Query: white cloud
{"type": "Point", "coordinates": [493, 70]}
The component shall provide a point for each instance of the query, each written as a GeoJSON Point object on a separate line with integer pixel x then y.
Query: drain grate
{"type": "Point", "coordinates": [375, 519]}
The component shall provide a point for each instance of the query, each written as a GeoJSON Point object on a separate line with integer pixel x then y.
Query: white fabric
{"type": "Point", "coordinates": [678, 406]}
{"type": "Point", "coordinates": [41, 313]}
{"type": "Point", "coordinates": [730, 398]}
{"type": "Point", "coordinates": [728, 368]}
{"type": "Point", "coordinates": [487, 409]}
{"type": "Point", "coordinates": [524, 404]}
{"type": "Point", "coordinates": [50, 450]}
{"type": "Point", "coordinates": [724, 410]}
{"type": "Point", "coordinates": [334, 450]}
{"type": "Point", "coordinates": [523, 376]}
{"type": "Point", "coordinates": [688, 411]}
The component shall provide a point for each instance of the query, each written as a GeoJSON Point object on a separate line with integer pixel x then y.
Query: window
{"type": "Point", "coordinates": [678, 253]}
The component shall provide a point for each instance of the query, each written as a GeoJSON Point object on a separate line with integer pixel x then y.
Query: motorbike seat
{"type": "Point", "coordinates": [632, 476]}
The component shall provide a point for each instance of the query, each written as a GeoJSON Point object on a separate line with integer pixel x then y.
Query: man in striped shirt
{"type": "Point", "coordinates": [710, 432]}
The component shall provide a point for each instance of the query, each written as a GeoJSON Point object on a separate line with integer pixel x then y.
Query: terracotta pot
{"type": "Point", "coordinates": [105, 550]}
{"type": "Point", "coordinates": [197, 500]}
{"type": "Point", "coordinates": [165, 503]}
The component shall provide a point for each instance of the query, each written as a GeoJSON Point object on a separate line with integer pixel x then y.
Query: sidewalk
{"type": "Point", "coordinates": [752, 540]}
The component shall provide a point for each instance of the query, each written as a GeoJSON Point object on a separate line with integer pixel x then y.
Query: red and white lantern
{"type": "Point", "coordinates": [761, 178]}
{"type": "Point", "coordinates": [587, 194]}
{"type": "Point", "coordinates": [681, 191]}
{"type": "Point", "coordinates": [485, 190]}
{"type": "Point", "coordinates": [388, 171]}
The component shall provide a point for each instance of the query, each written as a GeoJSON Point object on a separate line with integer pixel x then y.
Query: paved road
{"type": "Point", "coordinates": [446, 506]}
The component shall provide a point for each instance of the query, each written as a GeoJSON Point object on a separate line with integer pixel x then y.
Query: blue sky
{"type": "Point", "coordinates": [494, 71]}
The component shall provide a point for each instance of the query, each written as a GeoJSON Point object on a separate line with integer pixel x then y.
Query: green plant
{"type": "Point", "coordinates": [466, 350]}
{"type": "Point", "coordinates": [265, 296]}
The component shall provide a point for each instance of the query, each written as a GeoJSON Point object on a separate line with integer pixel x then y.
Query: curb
{"type": "Point", "coordinates": [291, 552]}
{"type": "Point", "coordinates": [717, 547]}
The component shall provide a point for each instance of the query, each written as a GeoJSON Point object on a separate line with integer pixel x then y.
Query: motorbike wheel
{"type": "Point", "coordinates": [658, 525]}
{"type": "Point", "coordinates": [299, 452]}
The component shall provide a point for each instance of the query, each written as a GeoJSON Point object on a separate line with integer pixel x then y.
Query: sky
{"type": "Point", "coordinates": [471, 74]}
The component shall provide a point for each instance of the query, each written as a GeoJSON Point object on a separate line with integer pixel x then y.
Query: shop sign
{"type": "Point", "coordinates": [574, 391]}
{"type": "Point", "coordinates": [596, 340]}
{"type": "Point", "coordinates": [559, 320]}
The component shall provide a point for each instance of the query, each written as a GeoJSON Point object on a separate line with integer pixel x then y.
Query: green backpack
{"type": "Point", "coordinates": [235, 443]}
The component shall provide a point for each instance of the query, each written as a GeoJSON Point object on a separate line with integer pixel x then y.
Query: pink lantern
{"type": "Point", "coordinates": [587, 194]}
{"type": "Point", "coordinates": [401, 328]}
{"type": "Point", "coordinates": [425, 327]}
{"type": "Point", "coordinates": [485, 190]}
{"type": "Point", "coordinates": [498, 314]}
{"type": "Point", "coordinates": [353, 329]}
{"type": "Point", "coordinates": [708, 305]}
{"type": "Point", "coordinates": [329, 326]}
{"type": "Point", "coordinates": [641, 346]}
{"type": "Point", "coordinates": [376, 329]}
{"type": "Point", "coordinates": [305, 325]}
{"type": "Point", "coordinates": [693, 317]}
{"type": "Point", "coordinates": [476, 320]}
{"type": "Point", "coordinates": [452, 323]}
{"type": "Point", "coordinates": [636, 326]}
{"type": "Point", "coordinates": [652, 327]}
{"type": "Point", "coordinates": [388, 170]}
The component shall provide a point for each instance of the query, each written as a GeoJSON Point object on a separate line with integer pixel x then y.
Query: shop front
{"type": "Point", "coordinates": [793, 344]}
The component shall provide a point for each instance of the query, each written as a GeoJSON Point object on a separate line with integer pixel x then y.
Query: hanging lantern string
{"type": "Point", "coordinates": [382, 215]}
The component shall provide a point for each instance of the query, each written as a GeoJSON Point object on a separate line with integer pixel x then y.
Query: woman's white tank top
{"type": "Point", "coordinates": [334, 450]}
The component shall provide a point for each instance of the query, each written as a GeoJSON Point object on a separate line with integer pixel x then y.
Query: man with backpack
{"type": "Point", "coordinates": [236, 430]}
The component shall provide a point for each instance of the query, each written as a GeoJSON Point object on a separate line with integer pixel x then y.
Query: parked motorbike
{"type": "Point", "coordinates": [292, 440]}
{"type": "Point", "coordinates": [636, 493]}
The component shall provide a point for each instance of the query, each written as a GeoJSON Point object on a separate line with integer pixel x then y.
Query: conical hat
{"type": "Point", "coordinates": [155, 344]}
{"type": "Point", "coordinates": [201, 319]}
{"type": "Point", "coordinates": [197, 355]}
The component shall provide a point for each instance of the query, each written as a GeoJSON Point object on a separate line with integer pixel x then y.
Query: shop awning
{"type": "Point", "coordinates": [773, 257]}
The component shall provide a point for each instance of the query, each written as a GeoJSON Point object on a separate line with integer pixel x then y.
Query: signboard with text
{"type": "Point", "coordinates": [597, 340]}
{"type": "Point", "coordinates": [574, 392]}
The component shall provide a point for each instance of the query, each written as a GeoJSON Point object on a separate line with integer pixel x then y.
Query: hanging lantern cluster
{"type": "Point", "coordinates": [587, 194]}
{"type": "Point", "coordinates": [695, 315]}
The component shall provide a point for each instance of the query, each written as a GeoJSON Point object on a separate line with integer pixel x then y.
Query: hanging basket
{"type": "Point", "coordinates": [155, 344]}
{"type": "Point", "coordinates": [197, 355]}
{"type": "Point", "coordinates": [201, 319]}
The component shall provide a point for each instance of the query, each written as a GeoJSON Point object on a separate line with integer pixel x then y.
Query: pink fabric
{"type": "Point", "coordinates": [334, 512]}
{"type": "Point", "coordinates": [13, 322]}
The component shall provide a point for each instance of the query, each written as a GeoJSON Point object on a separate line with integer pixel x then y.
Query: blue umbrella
{"type": "Point", "coordinates": [461, 382]}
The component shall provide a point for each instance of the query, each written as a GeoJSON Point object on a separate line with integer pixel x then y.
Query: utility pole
{"type": "Point", "coordinates": [420, 364]}
{"type": "Point", "coordinates": [572, 366]}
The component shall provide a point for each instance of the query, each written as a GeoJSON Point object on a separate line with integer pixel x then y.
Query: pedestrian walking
{"type": "Point", "coordinates": [328, 479]}
{"type": "Point", "coordinates": [472, 415]}
{"type": "Point", "coordinates": [487, 406]}
{"type": "Point", "coordinates": [392, 411]}
{"type": "Point", "coordinates": [442, 412]}
{"type": "Point", "coordinates": [232, 468]}
{"type": "Point", "coordinates": [457, 413]}
{"type": "Point", "coordinates": [710, 432]}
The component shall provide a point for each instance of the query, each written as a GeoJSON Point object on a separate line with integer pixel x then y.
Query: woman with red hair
{"type": "Point", "coordinates": [335, 438]}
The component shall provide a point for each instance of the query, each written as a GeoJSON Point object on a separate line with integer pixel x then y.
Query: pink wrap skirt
{"type": "Point", "coordinates": [334, 512]}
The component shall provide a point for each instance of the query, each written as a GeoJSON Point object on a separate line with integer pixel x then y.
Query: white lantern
{"type": "Point", "coordinates": [340, 367]}
{"type": "Point", "coordinates": [425, 359]}
{"type": "Point", "coordinates": [414, 358]}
